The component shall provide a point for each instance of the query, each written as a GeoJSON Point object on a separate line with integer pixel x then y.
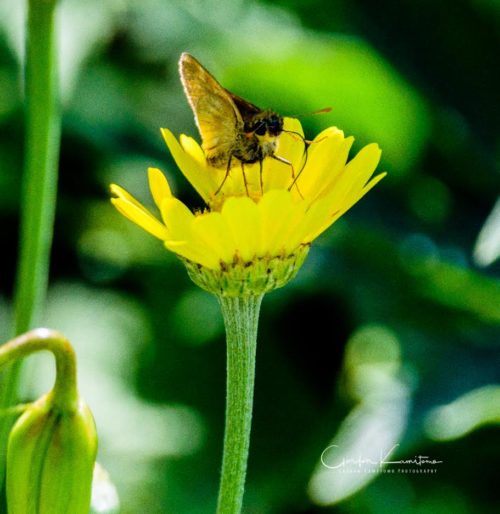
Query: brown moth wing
{"type": "Point", "coordinates": [246, 109]}
{"type": "Point", "coordinates": [215, 112]}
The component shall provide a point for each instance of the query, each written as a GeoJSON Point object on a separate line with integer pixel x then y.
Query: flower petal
{"type": "Point", "coordinates": [242, 218]}
{"type": "Point", "coordinates": [292, 235]}
{"type": "Point", "coordinates": [177, 217]}
{"type": "Point", "coordinates": [180, 221]}
{"type": "Point", "coordinates": [193, 253]}
{"type": "Point", "coordinates": [362, 167]}
{"type": "Point", "coordinates": [119, 192]}
{"type": "Point", "coordinates": [158, 185]}
{"type": "Point", "coordinates": [192, 148]}
{"type": "Point", "coordinates": [190, 167]}
{"type": "Point", "coordinates": [280, 216]}
{"type": "Point", "coordinates": [329, 132]}
{"type": "Point", "coordinates": [141, 217]}
{"type": "Point", "coordinates": [275, 209]}
{"type": "Point", "coordinates": [324, 167]}
{"type": "Point", "coordinates": [322, 217]}
{"type": "Point", "coordinates": [211, 229]}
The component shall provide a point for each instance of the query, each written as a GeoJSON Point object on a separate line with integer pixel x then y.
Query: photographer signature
{"type": "Point", "coordinates": [328, 459]}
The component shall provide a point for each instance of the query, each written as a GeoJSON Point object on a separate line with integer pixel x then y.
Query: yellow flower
{"type": "Point", "coordinates": [258, 218]}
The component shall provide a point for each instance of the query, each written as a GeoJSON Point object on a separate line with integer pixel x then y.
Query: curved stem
{"type": "Point", "coordinates": [241, 315]}
{"type": "Point", "coordinates": [65, 394]}
{"type": "Point", "coordinates": [43, 122]}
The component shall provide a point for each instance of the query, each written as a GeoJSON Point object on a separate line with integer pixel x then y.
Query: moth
{"type": "Point", "coordinates": [230, 127]}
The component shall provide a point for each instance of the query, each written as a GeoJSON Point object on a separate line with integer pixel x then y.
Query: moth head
{"type": "Point", "coordinates": [266, 123]}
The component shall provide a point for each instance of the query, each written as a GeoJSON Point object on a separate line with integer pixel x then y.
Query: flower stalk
{"type": "Point", "coordinates": [241, 315]}
{"type": "Point", "coordinates": [42, 138]}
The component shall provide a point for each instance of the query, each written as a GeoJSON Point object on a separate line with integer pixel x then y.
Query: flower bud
{"type": "Point", "coordinates": [50, 459]}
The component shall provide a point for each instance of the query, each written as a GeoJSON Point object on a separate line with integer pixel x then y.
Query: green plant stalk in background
{"type": "Point", "coordinates": [241, 316]}
{"type": "Point", "coordinates": [42, 139]}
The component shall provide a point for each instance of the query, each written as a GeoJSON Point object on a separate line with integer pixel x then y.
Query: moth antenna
{"type": "Point", "coordinates": [302, 138]}
{"type": "Point", "coordinates": [303, 115]}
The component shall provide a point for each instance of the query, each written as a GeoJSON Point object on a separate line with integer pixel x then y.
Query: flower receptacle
{"type": "Point", "coordinates": [243, 278]}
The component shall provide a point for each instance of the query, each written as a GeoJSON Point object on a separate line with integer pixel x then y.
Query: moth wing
{"type": "Point", "coordinates": [246, 109]}
{"type": "Point", "coordinates": [216, 115]}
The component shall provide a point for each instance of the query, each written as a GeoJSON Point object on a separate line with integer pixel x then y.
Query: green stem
{"type": "Point", "coordinates": [14, 410]}
{"type": "Point", "coordinates": [43, 125]}
{"type": "Point", "coordinates": [65, 393]}
{"type": "Point", "coordinates": [241, 316]}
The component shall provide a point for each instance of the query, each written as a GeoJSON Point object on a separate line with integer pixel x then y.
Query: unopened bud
{"type": "Point", "coordinates": [50, 459]}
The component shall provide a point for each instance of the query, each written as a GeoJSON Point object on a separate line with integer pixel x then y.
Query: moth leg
{"type": "Point", "coordinates": [228, 168]}
{"type": "Point", "coordinates": [261, 180]}
{"type": "Point", "coordinates": [294, 178]}
{"type": "Point", "coordinates": [284, 161]}
{"type": "Point", "coordinates": [244, 177]}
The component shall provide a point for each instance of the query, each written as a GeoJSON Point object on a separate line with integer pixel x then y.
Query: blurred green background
{"type": "Point", "coordinates": [390, 335]}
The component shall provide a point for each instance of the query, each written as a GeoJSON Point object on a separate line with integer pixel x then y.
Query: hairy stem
{"type": "Point", "coordinates": [241, 315]}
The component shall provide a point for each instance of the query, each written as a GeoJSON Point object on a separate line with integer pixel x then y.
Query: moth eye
{"type": "Point", "coordinates": [261, 129]}
{"type": "Point", "coordinates": [273, 126]}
